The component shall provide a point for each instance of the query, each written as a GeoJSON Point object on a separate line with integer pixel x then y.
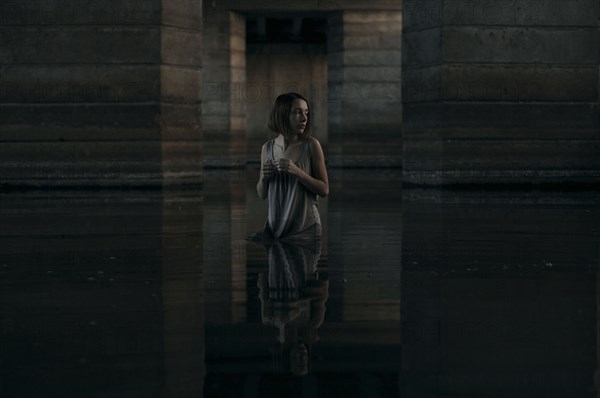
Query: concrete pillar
{"type": "Point", "coordinates": [224, 89]}
{"type": "Point", "coordinates": [181, 87]}
{"type": "Point", "coordinates": [90, 91]}
{"type": "Point", "coordinates": [501, 91]}
{"type": "Point", "coordinates": [365, 104]}
{"type": "Point", "coordinates": [274, 69]}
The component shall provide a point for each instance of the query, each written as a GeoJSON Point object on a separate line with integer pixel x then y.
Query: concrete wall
{"type": "Point", "coordinates": [308, 5]}
{"type": "Point", "coordinates": [90, 91]}
{"type": "Point", "coordinates": [181, 87]}
{"type": "Point", "coordinates": [365, 105]}
{"type": "Point", "coordinates": [275, 69]}
{"type": "Point", "coordinates": [364, 66]}
{"type": "Point", "coordinates": [503, 91]}
{"type": "Point", "coordinates": [109, 93]}
{"type": "Point", "coordinates": [223, 111]}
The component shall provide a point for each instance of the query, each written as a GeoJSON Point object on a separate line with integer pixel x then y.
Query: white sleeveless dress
{"type": "Point", "coordinates": [293, 212]}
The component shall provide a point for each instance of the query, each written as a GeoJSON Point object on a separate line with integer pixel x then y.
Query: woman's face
{"type": "Point", "coordinates": [298, 116]}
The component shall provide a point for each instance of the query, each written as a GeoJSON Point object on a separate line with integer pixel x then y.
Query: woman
{"type": "Point", "coordinates": [292, 172]}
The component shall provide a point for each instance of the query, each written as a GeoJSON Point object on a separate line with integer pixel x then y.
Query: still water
{"type": "Point", "coordinates": [411, 293]}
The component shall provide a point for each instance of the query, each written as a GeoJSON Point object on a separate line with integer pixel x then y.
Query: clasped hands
{"type": "Point", "coordinates": [281, 165]}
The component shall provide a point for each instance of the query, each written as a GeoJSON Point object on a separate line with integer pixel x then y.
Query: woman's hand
{"type": "Point", "coordinates": [268, 170]}
{"type": "Point", "coordinates": [287, 166]}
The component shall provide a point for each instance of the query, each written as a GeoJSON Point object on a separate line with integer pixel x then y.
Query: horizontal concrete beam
{"type": "Point", "coordinates": [422, 14]}
{"type": "Point", "coordinates": [308, 5]}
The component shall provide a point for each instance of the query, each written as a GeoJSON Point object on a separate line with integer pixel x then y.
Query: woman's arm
{"type": "Point", "coordinates": [266, 172]}
{"type": "Point", "coordinates": [318, 184]}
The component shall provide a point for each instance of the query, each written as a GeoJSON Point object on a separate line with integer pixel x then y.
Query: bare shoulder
{"type": "Point", "coordinates": [314, 145]}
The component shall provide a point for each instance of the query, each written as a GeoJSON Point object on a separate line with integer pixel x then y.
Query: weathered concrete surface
{"type": "Point", "coordinates": [67, 83]}
{"type": "Point", "coordinates": [275, 69]}
{"type": "Point", "coordinates": [223, 110]}
{"type": "Point", "coordinates": [79, 45]}
{"type": "Point", "coordinates": [422, 14]}
{"type": "Point", "coordinates": [521, 45]}
{"type": "Point", "coordinates": [96, 92]}
{"type": "Point", "coordinates": [73, 13]}
{"type": "Point", "coordinates": [181, 82]}
{"type": "Point", "coordinates": [505, 96]}
{"type": "Point", "coordinates": [308, 5]}
{"type": "Point", "coordinates": [364, 98]}
{"type": "Point", "coordinates": [501, 82]}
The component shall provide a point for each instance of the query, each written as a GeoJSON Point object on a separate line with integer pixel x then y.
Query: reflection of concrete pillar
{"type": "Point", "coordinates": [421, 347]}
{"type": "Point", "coordinates": [500, 91]}
{"type": "Point", "coordinates": [183, 301]}
{"type": "Point", "coordinates": [472, 324]}
{"type": "Point", "coordinates": [365, 107]}
{"type": "Point", "coordinates": [91, 304]}
{"type": "Point", "coordinates": [224, 89]}
{"type": "Point", "coordinates": [224, 223]}
{"type": "Point", "coordinates": [238, 252]}
{"type": "Point", "coordinates": [336, 257]}
{"type": "Point", "coordinates": [365, 279]}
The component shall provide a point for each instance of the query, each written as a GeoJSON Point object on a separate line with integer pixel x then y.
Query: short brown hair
{"type": "Point", "coordinates": [279, 119]}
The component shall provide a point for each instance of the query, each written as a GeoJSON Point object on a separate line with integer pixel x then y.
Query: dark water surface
{"type": "Point", "coordinates": [411, 293]}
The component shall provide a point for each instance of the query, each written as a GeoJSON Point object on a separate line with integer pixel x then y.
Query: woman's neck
{"type": "Point", "coordinates": [288, 140]}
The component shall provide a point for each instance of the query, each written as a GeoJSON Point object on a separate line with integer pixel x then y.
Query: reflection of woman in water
{"type": "Point", "coordinates": [292, 172]}
{"type": "Point", "coordinates": [293, 300]}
